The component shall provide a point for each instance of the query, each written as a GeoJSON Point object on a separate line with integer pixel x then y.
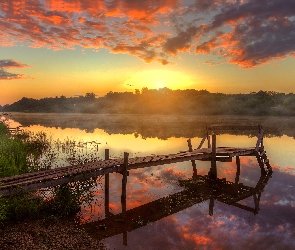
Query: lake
{"type": "Point", "coordinates": [161, 214]}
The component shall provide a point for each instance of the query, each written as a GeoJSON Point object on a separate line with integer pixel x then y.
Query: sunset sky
{"type": "Point", "coordinates": [51, 48]}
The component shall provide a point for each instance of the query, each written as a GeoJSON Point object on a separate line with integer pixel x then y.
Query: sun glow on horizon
{"type": "Point", "coordinates": [157, 79]}
{"type": "Point", "coordinates": [160, 85]}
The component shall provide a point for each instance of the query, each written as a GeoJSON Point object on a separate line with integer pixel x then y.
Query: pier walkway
{"type": "Point", "coordinates": [63, 175]}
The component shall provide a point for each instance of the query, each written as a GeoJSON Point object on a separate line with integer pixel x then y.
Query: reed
{"type": "Point", "coordinates": [20, 152]}
{"type": "Point", "coordinates": [24, 152]}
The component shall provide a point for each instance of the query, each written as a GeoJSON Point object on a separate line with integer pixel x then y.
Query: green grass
{"type": "Point", "coordinates": [20, 153]}
{"type": "Point", "coordinates": [25, 152]}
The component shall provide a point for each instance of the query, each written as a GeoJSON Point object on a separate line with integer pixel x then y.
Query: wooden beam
{"type": "Point", "coordinates": [195, 172]}
{"type": "Point", "coordinates": [213, 157]}
{"type": "Point", "coordinates": [221, 159]}
{"type": "Point", "coordinates": [124, 181]}
{"type": "Point", "coordinates": [107, 187]}
{"type": "Point", "coordinates": [238, 169]}
{"type": "Point", "coordinates": [211, 206]}
{"type": "Point", "coordinates": [190, 147]}
{"type": "Point", "coordinates": [259, 142]}
{"type": "Point", "coordinates": [202, 142]}
{"type": "Point", "coordinates": [54, 177]}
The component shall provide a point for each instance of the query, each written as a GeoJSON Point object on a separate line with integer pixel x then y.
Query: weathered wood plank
{"type": "Point", "coordinates": [66, 174]}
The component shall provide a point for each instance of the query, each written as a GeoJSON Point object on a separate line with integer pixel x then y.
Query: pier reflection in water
{"type": "Point", "coordinates": [191, 228]}
{"type": "Point", "coordinates": [197, 189]}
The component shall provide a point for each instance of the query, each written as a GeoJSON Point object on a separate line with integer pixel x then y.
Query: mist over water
{"type": "Point", "coordinates": [228, 227]}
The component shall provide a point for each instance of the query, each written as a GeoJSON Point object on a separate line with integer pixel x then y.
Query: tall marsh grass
{"type": "Point", "coordinates": [19, 153]}
{"type": "Point", "coordinates": [23, 152]}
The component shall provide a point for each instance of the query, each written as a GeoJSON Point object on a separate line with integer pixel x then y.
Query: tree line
{"type": "Point", "coordinates": [163, 101]}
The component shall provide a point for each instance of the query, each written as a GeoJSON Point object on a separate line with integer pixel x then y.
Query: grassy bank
{"type": "Point", "coordinates": [21, 153]}
{"type": "Point", "coordinates": [24, 152]}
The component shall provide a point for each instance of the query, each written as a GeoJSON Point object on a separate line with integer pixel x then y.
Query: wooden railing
{"type": "Point", "coordinates": [210, 136]}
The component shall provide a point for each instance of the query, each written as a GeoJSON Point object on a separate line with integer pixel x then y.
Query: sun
{"type": "Point", "coordinates": [157, 78]}
{"type": "Point", "coordinates": [160, 85]}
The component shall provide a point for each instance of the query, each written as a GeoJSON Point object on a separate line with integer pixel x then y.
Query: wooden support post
{"type": "Point", "coordinates": [208, 139]}
{"type": "Point", "coordinates": [211, 206]}
{"type": "Point", "coordinates": [261, 131]}
{"type": "Point", "coordinates": [124, 184]}
{"type": "Point", "coordinates": [123, 197]}
{"type": "Point", "coordinates": [256, 202]}
{"type": "Point", "coordinates": [261, 164]}
{"type": "Point", "coordinates": [107, 187]}
{"type": "Point", "coordinates": [124, 179]}
{"type": "Point", "coordinates": [202, 142]}
{"type": "Point", "coordinates": [195, 173]}
{"type": "Point", "coordinates": [125, 236]}
{"type": "Point", "coordinates": [213, 169]}
{"type": "Point", "coordinates": [190, 147]}
{"type": "Point", "coordinates": [238, 170]}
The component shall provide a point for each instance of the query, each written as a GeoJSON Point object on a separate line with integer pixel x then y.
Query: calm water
{"type": "Point", "coordinates": [162, 215]}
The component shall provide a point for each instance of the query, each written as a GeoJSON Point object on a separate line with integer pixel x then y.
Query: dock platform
{"type": "Point", "coordinates": [63, 175]}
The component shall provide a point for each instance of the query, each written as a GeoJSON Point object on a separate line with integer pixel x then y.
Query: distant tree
{"type": "Point", "coordinates": [90, 95]}
{"type": "Point", "coordinates": [164, 101]}
{"type": "Point", "coordinates": [137, 92]}
{"type": "Point", "coordinates": [144, 90]}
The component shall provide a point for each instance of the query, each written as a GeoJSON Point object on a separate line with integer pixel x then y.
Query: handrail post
{"type": "Point", "coordinates": [208, 138]}
{"type": "Point", "coordinates": [190, 147]}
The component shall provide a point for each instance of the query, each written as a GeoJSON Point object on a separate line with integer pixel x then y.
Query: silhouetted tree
{"type": "Point", "coordinates": [90, 95]}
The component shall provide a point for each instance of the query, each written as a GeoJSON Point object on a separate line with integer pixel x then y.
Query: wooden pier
{"type": "Point", "coordinates": [63, 175]}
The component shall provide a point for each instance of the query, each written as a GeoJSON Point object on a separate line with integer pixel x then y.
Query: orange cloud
{"type": "Point", "coordinates": [245, 33]}
{"type": "Point", "coordinates": [206, 47]}
{"type": "Point", "coordinates": [7, 64]}
{"type": "Point", "coordinates": [197, 239]}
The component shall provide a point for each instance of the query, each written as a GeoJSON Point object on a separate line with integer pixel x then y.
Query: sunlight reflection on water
{"type": "Point", "coordinates": [228, 227]}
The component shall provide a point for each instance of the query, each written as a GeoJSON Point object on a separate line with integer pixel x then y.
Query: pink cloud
{"type": "Point", "coordinates": [246, 33]}
{"type": "Point", "coordinates": [8, 64]}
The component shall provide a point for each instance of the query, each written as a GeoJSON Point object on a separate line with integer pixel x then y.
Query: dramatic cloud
{"type": "Point", "coordinates": [245, 32]}
{"type": "Point", "coordinates": [7, 64]}
{"type": "Point", "coordinates": [260, 31]}
{"type": "Point", "coordinates": [12, 64]}
{"type": "Point", "coordinates": [181, 42]}
{"type": "Point", "coordinates": [4, 75]}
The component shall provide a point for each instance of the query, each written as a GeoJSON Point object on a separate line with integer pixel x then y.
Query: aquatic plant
{"type": "Point", "coordinates": [21, 152]}
{"type": "Point", "coordinates": [68, 198]}
{"type": "Point", "coordinates": [24, 152]}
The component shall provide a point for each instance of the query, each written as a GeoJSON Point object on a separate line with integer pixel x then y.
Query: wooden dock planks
{"type": "Point", "coordinates": [58, 176]}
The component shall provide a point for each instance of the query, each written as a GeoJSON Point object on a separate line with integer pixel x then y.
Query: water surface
{"type": "Point", "coordinates": [206, 223]}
